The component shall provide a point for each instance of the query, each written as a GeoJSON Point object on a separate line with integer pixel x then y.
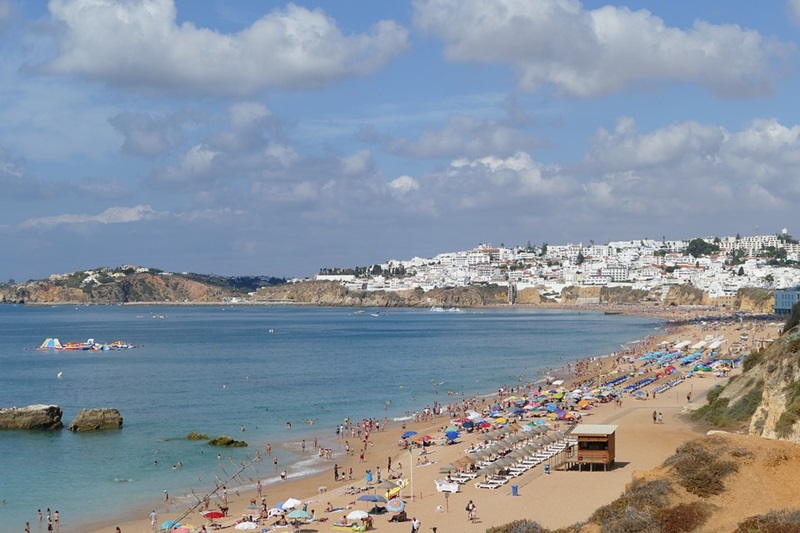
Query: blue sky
{"type": "Point", "coordinates": [239, 137]}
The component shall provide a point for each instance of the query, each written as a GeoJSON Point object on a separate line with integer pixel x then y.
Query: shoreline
{"type": "Point", "coordinates": [134, 520]}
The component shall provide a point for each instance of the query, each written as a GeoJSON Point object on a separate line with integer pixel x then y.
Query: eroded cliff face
{"type": "Point", "coordinates": [329, 293]}
{"type": "Point", "coordinates": [133, 288]}
{"type": "Point", "coordinates": [778, 414]}
{"type": "Point", "coordinates": [753, 300]}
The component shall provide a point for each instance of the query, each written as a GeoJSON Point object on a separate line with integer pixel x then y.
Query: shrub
{"type": "Point", "coordinates": [787, 420]}
{"type": "Point", "coordinates": [772, 522]}
{"type": "Point", "coordinates": [634, 511]}
{"type": "Point", "coordinates": [752, 359]}
{"type": "Point", "coordinates": [683, 518]}
{"type": "Point", "coordinates": [746, 406]}
{"type": "Point", "coordinates": [518, 526]}
{"type": "Point", "coordinates": [700, 471]}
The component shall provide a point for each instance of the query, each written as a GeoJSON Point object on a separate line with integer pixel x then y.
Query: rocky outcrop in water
{"type": "Point", "coordinates": [96, 420]}
{"type": "Point", "coordinates": [31, 417]}
{"type": "Point", "coordinates": [227, 442]}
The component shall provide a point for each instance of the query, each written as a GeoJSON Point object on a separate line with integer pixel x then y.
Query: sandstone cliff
{"type": "Point", "coordinates": [31, 417]}
{"type": "Point", "coordinates": [329, 293]}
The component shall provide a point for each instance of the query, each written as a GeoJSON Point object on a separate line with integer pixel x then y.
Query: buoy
{"type": "Point", "coordinates": [59, 375]}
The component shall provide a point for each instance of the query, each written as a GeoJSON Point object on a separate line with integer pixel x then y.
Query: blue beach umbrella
{"type": "Point", "coordinates": [452, 435]}
{"type": "Point", "coordinates": [169, 524]}
{"type": "Point", "coordinates": [408, 434]}
{"type": "Point", "coordinates": [395, 505]}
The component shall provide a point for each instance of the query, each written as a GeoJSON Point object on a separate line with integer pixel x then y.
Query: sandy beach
{"type": "Point", "coordinates": [557, 499]}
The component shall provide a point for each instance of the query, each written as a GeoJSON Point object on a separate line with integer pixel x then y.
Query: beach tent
{"type": "Point", "coordinates": [50, 343]}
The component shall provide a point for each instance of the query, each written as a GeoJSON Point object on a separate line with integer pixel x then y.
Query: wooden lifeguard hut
{"type": "Point", "coordinates": [596, 445]}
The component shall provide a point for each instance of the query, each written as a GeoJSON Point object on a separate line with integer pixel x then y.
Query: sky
{"type": "Point", "coordinates": [266, 138]}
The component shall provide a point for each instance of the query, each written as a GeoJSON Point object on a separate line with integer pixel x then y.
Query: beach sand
{"type": "Point", "coordinates": [554, 500]}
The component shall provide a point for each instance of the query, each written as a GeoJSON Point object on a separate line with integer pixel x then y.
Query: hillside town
{"type": "Point", "coordinates": [719, 266]}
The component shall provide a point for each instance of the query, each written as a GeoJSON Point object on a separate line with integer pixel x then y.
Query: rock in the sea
{"type": "Point", "coordinates": [229, 442]}
{"type": "Point", "coordinates": [96, 419]}
{"type": "Point", "coordinates": [31, 417]}
{"type": "Point", "coordinates": [196, 436]}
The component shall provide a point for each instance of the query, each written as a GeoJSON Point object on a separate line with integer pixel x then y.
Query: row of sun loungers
{"type": "Point", "coordinates": [519, 467]}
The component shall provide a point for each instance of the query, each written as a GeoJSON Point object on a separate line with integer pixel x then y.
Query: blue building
{"type": "Point", "coordinates": [785, 299]}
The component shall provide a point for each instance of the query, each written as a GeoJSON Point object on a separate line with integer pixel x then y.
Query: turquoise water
{"type": "Point", "coordinates": [214, 369]}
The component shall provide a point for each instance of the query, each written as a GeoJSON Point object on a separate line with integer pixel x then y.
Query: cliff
{"type": "Point", "coordinates": [128, 285]}
{"type": "Point", "coordinates": [125, 285]}
{"type": "Point", "coordinates": [329, 293]}
{"type": "Point", "coordinates": [764, 399]}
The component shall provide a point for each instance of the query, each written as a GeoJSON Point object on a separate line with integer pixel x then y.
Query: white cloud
{"type": "Point", "coordinates": [357, 163]}
{"type": "Point", "coordinates": [403, 184]}
{"type": "Point", "coordinates": [587, 53]}
{"type": "Point", "coordinates": [196, 163]}
{"type": "Point", "coordinates": [7, 13]}
{"type": "Point", "coordinates": [245, 114]}
{"type": "Point", "coordinates": [688, 168]}
{"type": "Point", "coordinates": [139, 43]}
{"type": "Point", "coordinates": [793, 7]}
{"type": "Point", "coordinates": [464, 136]}
{"type": "Point", "coordinates": [112, 215]}
{"type": "Point", "coordinates": [147, 135]}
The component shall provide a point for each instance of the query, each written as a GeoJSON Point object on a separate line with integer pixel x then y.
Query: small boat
{"type": "Point", "coordinates": [375, 314]}
{"type": "Point", "coordinates": [613, 312]}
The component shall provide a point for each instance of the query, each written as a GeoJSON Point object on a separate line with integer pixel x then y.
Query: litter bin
{"type": "Point", "coordinates": [514, 490]}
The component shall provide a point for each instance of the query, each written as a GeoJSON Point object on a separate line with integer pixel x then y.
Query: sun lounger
{"type": "Point", "coordinates": [443, 485]}
{"type": "Point", "coordinates": [487, 485]}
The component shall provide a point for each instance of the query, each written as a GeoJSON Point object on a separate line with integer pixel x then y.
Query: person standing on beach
{"type": "Point", "coordinates": [470, 509]}
{"type": "Point", "coordinates": [259, 488]}
{"type": "Point", "coordinates": [166, 497]}
{"type": "Point", "coordinates": [27, 527]}
{"type": "Point", "coordinates": [153, 520]}
{"type": "Point", "coordinates": [336, 472]}
{"type": "Point", "coordinates": [660, 418]}
{"type": "Point", "coordinates": [655, 417]}
{"type": "Point", "coordinates": [117, 530]}
{"type": "Point", "coordinates": [56, 517]}
{"type": "Point", "coordinates": [389, 463]}
{"type": "Point", "coordinates": [415, 525]}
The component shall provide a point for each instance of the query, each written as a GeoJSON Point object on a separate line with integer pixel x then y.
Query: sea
{"type": "Point", "coordinates": [245, 372]}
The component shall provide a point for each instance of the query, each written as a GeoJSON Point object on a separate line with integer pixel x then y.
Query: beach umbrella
{"type": "Point", "coordinates": [358, 514]}
{"type": "Point", "coordinates": [451, 435]}
{"type": "Point", "coordinates": [395, 505]}
{"type": "Point", "coordinates": [449, 467]}
{"type": "Point", "coordinates": [408, 434]}
{"type": "Point", "coordinates": [291, 503]}
{"type": "Point", "coordinates": [372, 498]}
{"type": "Point", "coordinates": [244, 526]}
{"type": "Point", "coordinates": [212, 514]}
{"type": "Point", "coordinates": [169, 524]}
{"type": "Point", "coordinates": [298, 513]}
